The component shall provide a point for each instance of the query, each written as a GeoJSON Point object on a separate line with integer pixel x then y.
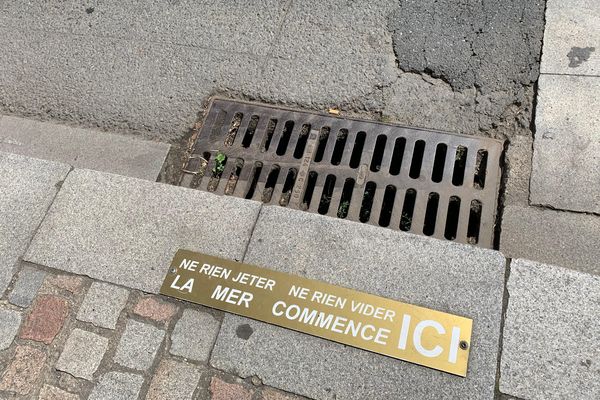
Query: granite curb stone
{"type": "Point", "coordinates": [29, 186]}
{"type": "Point", "coordinates": [566, 150]}
{"type": "Point", "coordinates": [102, 224]}
{"type": "Point", "coordinates": [551, 236]}
{"type": "Point", "coordinates": [551, 333]}
{"type": "Point", "coordinates": [83, 148]}
{"type": "Point", "coordinates": [441, 275]}
{"type": "Point", "coordinates": [102, 305]}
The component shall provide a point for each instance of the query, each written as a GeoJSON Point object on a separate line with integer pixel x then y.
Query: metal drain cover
{"type": "Point", "coordinates": [425, 182]}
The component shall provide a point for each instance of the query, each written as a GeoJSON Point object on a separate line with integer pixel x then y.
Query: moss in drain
{"type": "Point", "coordinates": [343, 209]}
{"type": "Point", "coordinates": [220, 160]}
{"type": "Point", "coordinates": [405, 222]}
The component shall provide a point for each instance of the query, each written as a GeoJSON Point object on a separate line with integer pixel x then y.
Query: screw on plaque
{"type": "Point", "coordinates": [463, 345]}
{"type": "Point", "coordinates": [173, 270]}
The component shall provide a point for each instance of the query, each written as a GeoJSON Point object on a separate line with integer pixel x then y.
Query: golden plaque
{"type": "Point", "coordinates": [407, 332]}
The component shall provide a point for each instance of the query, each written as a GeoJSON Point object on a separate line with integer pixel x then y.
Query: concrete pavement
{"type": "Point", "coordinates": [118, 66]}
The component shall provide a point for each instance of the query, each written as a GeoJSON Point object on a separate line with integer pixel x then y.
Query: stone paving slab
{"type": "Point", "coordinates": [550, 236]}
{"type": "Point", "coordinates": [551, 333]}
{"type": "Point", "coordinates": [28, 188]}
{"type": "Point", "coordinates": [566, 157]}
{"type": "Point", "coordinates": [83, 148]}
{"type": "Point", "coordinates": [572, 38]}
{"type": "Point", "coordinates": [126, 231]}
{"type": "Point", "coordinates": [436, 274]}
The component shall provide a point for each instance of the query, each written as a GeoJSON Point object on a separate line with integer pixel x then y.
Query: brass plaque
{"type": "Point", "coordinates": [422, 336]}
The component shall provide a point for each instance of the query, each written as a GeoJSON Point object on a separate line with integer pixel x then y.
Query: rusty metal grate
{"type": "Point", "coordinates": [425, 182]}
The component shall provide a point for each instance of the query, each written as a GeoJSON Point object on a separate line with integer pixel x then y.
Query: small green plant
{"type": "Point", "coordinates": [405, 222]}
{"type": "Point", "coordinates": [461, 153]}
{"type": "Point", "coordinates": [219, 167]}
{"type": "Point", "coordinates": [343, 209]}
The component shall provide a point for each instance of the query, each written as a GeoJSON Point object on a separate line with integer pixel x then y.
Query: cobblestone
{"type": "Point", "coordinates": [117, 386]}
{"type": "Point", "coordinates": [138, 346]}
{"type": "Point", "coordinates": [26, 287]}
{"type": "Point", "coordinates": [174, 380]}
{"type": "Point", "coordinates": [102, 305]}
{"type": "Point", "coordinates": [10, 321]}
{"type": "Point", "coordinates": [24, 370]}
{"type": "Point", "coordinates": [197, 346]}
{"type": "Point", "coordinates": [46, 319]}
{"type": "Point", "coordinates": [53, 393]}
{"type": "Point", "coordinates": [222, 390]}
{"type": "Point", "coordinates": [82, 354]}
{"type": "Point", "coordinates": [67, 282]}
{"type": "Point", "coordinates": [155, 309]}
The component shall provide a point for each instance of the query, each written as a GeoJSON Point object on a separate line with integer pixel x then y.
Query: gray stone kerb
{"type": "Point", "coordinates": [126, 230]}
{"type": "Point", "coordinates": [83, 148]}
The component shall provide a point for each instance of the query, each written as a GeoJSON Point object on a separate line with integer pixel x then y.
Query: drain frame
{"type": "Point", "coordinates": [223, 130]}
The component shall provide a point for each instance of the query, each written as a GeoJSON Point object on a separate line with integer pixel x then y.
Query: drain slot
{"type": "Point", "coordinates": [424, 182]}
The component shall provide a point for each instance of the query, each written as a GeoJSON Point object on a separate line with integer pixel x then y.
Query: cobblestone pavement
{"type": "Point", "coordinates": [78, 338]}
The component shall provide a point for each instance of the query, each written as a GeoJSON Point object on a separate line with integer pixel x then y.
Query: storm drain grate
{"type": "Point", "coordinates": [425, 182]}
